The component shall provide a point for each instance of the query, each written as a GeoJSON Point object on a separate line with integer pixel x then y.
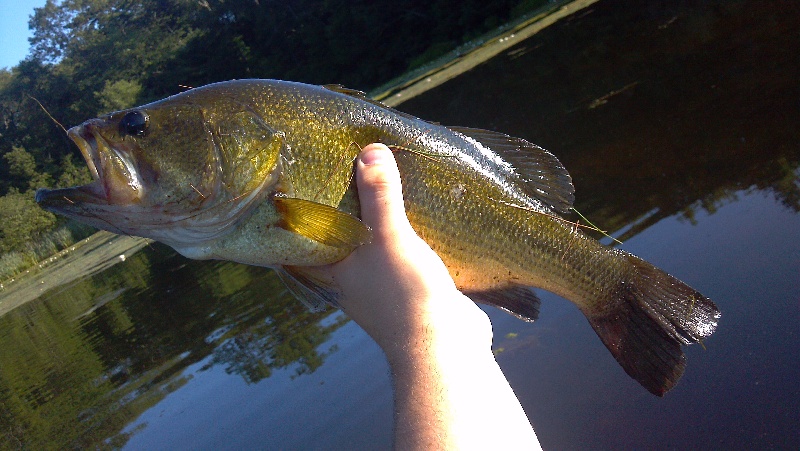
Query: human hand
{"type": "Point", "coordinates": [449, 392]}
{"type": "Point", "coordinates": [396, 287]}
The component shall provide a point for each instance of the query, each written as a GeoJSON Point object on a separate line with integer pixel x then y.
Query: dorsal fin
{"type": "Point", "coordinates": [361, 95]}
{"type": "Point", "coordinates": [537, 171]}
{"type": "Point", "coordinates": [346, 91]}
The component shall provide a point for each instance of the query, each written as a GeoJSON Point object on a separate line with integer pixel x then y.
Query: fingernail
{"type": "Point", "coordinates": [375, 155]}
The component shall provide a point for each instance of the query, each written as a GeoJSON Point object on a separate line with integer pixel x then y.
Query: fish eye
{"type": "Point", "coordinates": [134, 123]}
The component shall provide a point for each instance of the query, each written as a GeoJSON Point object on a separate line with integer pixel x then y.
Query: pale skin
{"type": "Point", "coordinates": [449, 391]}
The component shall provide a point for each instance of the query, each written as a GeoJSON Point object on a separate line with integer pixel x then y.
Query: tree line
{"type": "Point", "coordinates": [89, 57]}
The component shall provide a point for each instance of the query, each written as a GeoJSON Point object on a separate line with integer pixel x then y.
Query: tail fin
{"type": "Point", "coordinates": [652, 314]}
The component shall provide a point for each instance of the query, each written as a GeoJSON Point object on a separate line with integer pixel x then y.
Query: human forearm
{"type": "Point", "coordinates": [449, 391]}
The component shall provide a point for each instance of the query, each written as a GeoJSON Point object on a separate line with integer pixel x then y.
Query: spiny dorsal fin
{"type": "Point", "coordinates": [346, 91]}
{"type": "Point", "coordinates": [537, 171]}
{"type": "Point", "coordinates": [322, 223]}
{"type": "Point", "coordinates": [363, 96]}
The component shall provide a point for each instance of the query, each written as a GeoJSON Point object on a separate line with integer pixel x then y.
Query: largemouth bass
{"type": "Point", "coordinates": [260, 172]}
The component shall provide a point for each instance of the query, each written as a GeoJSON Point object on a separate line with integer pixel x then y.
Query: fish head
{"type": "Point", "coordinates": [182, 170]}
{"type": "Point", "coordinates": [146, 156]}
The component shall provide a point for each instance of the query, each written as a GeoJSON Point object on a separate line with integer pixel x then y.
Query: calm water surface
{"type": "Point", "coordinates": [679, 124]}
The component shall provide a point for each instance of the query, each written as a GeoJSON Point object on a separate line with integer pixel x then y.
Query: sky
{"type": "Point", "coordinates": [14, 33]}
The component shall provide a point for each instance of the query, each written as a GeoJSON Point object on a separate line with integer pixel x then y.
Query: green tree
{"type": "Point", "coordinates": [72, 175]}
{"type": "Point", "coordinates": [22, 169]}
{"type": "Point", "coordinates": [24, 123]}
{"type": "Point", "coordinates": [118, 95]}
{"type": "Point", "coordinates": [51, 35]}
{"type": "Point", "coordinates": [20, 220]}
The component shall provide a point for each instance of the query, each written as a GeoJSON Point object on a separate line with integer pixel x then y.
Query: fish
{"type": "Point", "coordinates": [261, 172]}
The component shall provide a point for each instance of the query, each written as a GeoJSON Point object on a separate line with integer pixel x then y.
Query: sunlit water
{"type": "Point", "coordinates": [679, 126]}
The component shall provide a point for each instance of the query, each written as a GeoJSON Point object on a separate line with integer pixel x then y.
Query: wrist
{"type": "Point", "coordinates": [450, 328]}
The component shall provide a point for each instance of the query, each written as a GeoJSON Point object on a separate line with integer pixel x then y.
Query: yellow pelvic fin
{"type": "Point", "coordinates": [322, 223]}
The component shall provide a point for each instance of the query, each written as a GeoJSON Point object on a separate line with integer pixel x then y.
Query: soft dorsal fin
{"type": "Point", "coordinates": [322, 223]}
{"type": "Point", "coordinates": [537, 171]}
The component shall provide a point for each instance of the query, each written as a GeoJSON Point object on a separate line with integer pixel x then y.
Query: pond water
{"type": "Point", "coordinates": [679, 124]}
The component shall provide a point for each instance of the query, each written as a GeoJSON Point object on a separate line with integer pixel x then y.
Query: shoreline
{"type": "Point", "coordinates": [457, 65]}
{"type": "Point", "coordinates": [96, 253]}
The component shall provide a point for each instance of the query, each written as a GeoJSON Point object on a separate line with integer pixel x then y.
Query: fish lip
{"type": "Point", "coordinates": [83, 137]}
{"type": "Point", "coordinates": [104, 163]}
{"type": "Point", "coordinates": [115, 176]}
{"type": "Point", "coordinates": [63, 200]}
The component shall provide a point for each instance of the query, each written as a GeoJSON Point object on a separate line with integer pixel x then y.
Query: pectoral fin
{"type": "Point", "coordinates": [322, 223]}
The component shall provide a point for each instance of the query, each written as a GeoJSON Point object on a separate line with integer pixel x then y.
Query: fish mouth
{"type": "Point", "coordinates": [114, 175]}
{"type": "Point", "coordinates": [87, 144]}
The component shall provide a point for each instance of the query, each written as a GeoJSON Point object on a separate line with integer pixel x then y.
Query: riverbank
{"type": "Point", "coordinates": [457, 62]}
{"type": "Point", "coordinates": [89, 256]}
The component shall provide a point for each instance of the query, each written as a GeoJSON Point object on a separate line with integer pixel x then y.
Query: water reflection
{"type": "Point", "coordinates": [655, 110]}
{"type": "Point", "coordinates": [82, 361]}
{"type": "Point", "coordinates": [678, 122]}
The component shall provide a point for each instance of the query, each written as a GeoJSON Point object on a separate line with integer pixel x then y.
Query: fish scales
{"type": "Point", "coordinates": [464, 228]}
{"type": "Point", "coordinates": [261, 172]}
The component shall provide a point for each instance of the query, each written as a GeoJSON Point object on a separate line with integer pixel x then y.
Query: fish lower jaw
{"type": "Point", "coordinates": [97, 190]}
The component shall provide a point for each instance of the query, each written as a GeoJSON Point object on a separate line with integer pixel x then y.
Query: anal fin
{"type": "Point", "coordinates": [517, 300]}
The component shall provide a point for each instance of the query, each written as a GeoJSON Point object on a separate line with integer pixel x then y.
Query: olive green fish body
{"type": "Point", "coordinates": [261, 172]}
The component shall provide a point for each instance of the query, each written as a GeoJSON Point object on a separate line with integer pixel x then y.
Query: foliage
{"type": "Point", "coordinates": [21, 219]}
{"type": "Point", "coordinates": [118, 95]}
{"type": "Point", "coordinates": [72, 175]}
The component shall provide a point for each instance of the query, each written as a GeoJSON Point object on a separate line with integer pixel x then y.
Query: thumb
{"type": "Point", "coordinates": [380, 191]}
